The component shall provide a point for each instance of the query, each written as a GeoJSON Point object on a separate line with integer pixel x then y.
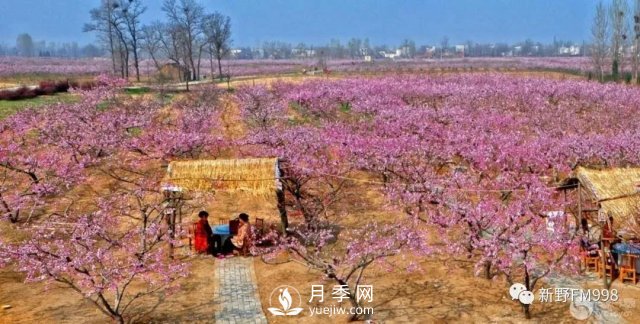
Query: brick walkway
{"type": "Point", "coordinates": [236, 295]}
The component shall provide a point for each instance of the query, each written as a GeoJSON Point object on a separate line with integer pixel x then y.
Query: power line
{"type": "Point", "coordinates": [367, 181]}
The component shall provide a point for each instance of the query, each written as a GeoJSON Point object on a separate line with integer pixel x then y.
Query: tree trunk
{"type": "Point", "coordinates": [283, 211]}
{"type": "Point", "coordinates": [527, 284]}
{"type": "Point", "coordinates": [126, 63]}
{"type": "Point", "coordinates": [219, 66]}
{"type": "Point", "coordinates": [606, 283]}
{"type": "Point", "coordinates": [136, 64]}
{"type": "Point", "coordinates": [119, 319]}
{"type": "Point", "coordinates": [211, 62]}
{"type": "Point", "coordinates": [487, 270]}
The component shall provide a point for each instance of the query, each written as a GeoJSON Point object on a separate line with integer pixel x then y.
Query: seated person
{"type": "Point", "coordinates": [588, 242]}
{"type": "Point", "coordinates": [203, 235]}
{"type": "Point", "coordinates": [237, 242]}
{"type": "Point", "coordinates": [607, 231]}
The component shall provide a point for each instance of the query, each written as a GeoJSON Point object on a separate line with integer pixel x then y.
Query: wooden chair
{"type": "Point", "coordinates": [590, 262]}
{"type": "Point", "coordinates": [234, 224]}
{"type": "Point", "coordinates": [259, 226]}
{"type": "Point", "coordinates": [628, 268]}
{"type": "Point", "coordinates": [608, 268]}
{"type": "Point", "coordinates": [191, 233]}
{"type": "Point", "coordinates": [223, 221]}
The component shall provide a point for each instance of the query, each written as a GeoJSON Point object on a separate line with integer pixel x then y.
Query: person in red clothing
{"type": "Point", "coordinates": [203, 235]}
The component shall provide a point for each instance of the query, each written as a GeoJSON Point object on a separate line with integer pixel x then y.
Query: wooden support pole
{"type": "Point", "coordinates": [283, 211]}
{"type": "Point", "coordinates": [580, 202]}
{"type": "Point", "coordinates": [282, 207]}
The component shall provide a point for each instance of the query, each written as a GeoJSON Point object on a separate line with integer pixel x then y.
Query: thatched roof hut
{"type": "Point", "coordinates": [259, 177]}
{"type": "Point", "coordinates": [174, 72]}
{"type": "Point", "coordinates": [616, 190]}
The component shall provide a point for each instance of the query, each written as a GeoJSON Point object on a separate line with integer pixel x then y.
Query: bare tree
{"type": "Point", "coordinates": [101, 23]}
{"type": "Point", "coordinates": [130, 12]}
{"type": "Point", "coordinates": [185, 20]}
{"type": "Point", "coordinates": [408, 48]}
{"type": "Point", "coordinates": [635, 60]}
{"type": "Point", "coordinates": [599, 48]}
{"type": "Point", "coordinates": [217, 31]}
{"type": "Point", "coordinates": [444, 44]}
{"type": "Point", "coordinates": [153, 42]}
{"type": "Point", "coordinates": [619, 31]}
{"type": "Point", "coordinates": [108, 22]}
{"type": "Point", "coordinates": [24, 45]}
{"type": "Point", "coordinates": [355, 47]}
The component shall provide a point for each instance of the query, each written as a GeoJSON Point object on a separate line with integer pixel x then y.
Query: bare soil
{"type": "Point", "coordinates": [445, 290]}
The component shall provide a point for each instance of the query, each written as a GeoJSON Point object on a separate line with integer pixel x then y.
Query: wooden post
{"type": "Point", "coordinates": [282, 208]}
{"type": "Point", "coordinates": [606, 283]}
{"type": "Point", "coordinates": [283, 211]}
{"type": "Point", "coordinates": [580, 203]}
{"type": "Point", "coordinates": [170, 215]}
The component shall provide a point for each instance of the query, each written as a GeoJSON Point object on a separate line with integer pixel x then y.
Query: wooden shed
{"type": "Point", "coordinates": [612, 192]}
{"type": "Point", "coordinates": [174, 72]}
{"type": "Point", "coordinates": [258, 177]}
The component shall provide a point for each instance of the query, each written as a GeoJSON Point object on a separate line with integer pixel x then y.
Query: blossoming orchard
{"type": "Point", "coordinates": [168, 173]}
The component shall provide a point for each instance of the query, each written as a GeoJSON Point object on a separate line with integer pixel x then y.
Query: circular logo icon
{"type": "Point", "coordinates": [285, 301]}
{"type": "Point", "coordinates": [581, 309]}
{"type": "Point", "coordinates": [516, 289]}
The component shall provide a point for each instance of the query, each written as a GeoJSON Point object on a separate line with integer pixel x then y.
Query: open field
{"type": "Point", "coordinates": [21, 70]}
{"type": "Point", "coordinates": [9, 107]}
{"type": "Point", "coordinates": [427, 178]}
{"type": "Point", "coordinates": [300, 161]}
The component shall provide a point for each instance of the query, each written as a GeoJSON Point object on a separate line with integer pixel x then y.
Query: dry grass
{"type": "Point", "coordinates": [616, 189]}
{"type": "Point", "coordinates": [255, 177]}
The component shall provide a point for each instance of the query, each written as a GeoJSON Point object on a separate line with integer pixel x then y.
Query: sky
{"type": "Point", "coordinates": [318, 21]}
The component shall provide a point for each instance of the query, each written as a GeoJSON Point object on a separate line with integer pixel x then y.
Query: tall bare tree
{"type": "Point", "coordinates": [24, 45]}
{"type": "Point", "coordinates": [217, 31]}
{"type": "Point", "coordinates": [619, 34]}
{"type": "Point", "coordinates": [444, 43]}
{"type": "Point", "coordinates": [635, 59]}
{"type": "Point", "coordinates": [130, 12]}
{"type": "Point", "coordinates": [599, 46]}
{"type": "Point", "coordinates": [101, 23]}
{"type": "Point", "coordinates": [108, 22]}
{"type": "Point", "coordinates": [153, 42]}
{"type": "Point", "coordinates": [355, 47]}
{"type": "Point", "coordinates": [185, 19]}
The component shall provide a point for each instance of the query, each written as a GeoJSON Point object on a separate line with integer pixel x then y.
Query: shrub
{"type": "Point", "coordinates": [17, 94]}
{"type": "Point", "coordinates": [62, 86]}
{"type": "Point", "coordinates": [46, 88]}
{"type": "Point", "coordinates": [88, 85]}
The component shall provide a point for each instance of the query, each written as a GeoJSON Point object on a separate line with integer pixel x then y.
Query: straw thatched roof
{"type": "Point", "coordinates": [616, 190]}
{"type": "Point", "coordinates": [258, 177]}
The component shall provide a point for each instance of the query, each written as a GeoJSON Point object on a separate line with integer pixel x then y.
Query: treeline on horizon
{"type": "Point", "coordinates": [188, 34]}
{"type": "Point", "coordinates": [354, 48]}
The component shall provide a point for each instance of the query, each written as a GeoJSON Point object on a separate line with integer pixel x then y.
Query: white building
{"type": "Point", "coordinates": [572, 50]}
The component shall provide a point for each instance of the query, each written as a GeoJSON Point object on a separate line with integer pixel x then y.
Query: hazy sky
{"type": "Point", "coordinates": [317, 21]}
